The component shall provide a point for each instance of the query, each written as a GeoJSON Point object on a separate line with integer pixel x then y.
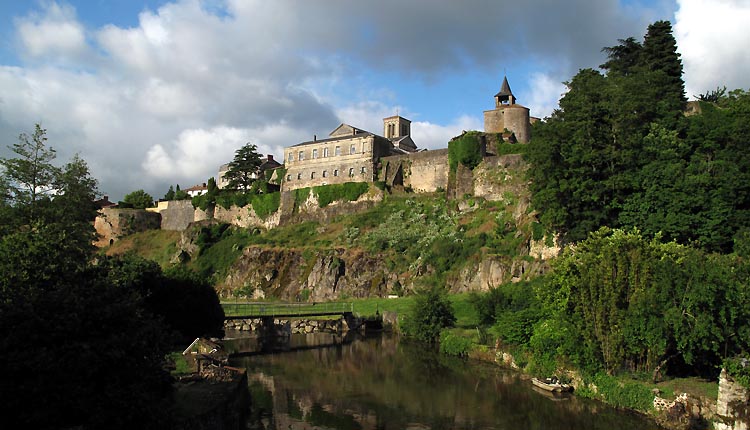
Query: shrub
{"type": "Point", "coordinates": [623, 394]}
{"type": "Point", "coordinates": [739, 370]}
{"type": "Point", "coordinates": [430, 313]}
{"type": "Point", "coordinates": [454, 344]}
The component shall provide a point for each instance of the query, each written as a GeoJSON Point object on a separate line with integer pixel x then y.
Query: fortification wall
{"type": "Point", "coordinates": [176, 214]}
{"type": "Point", "coordinates": [515, 118]}
{"type": "Point", "coordinates": [245, 217]}
{"type": "Point", "coordinates": [424, 172]}
{"type": "Point", "coordinates": [113, 223]}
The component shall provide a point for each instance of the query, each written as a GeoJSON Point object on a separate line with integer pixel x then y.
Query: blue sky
{"type": "Point", "coordinates": [154, 92]}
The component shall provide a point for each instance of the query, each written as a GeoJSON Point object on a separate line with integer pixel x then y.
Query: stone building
{"type": "Point", "coordinates": [349, 154]}
{"type": "Point", "coordinates": [508, 115]}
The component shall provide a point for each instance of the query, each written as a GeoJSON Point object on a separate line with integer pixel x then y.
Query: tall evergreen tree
{"type": "Point", "coordinates": [244, 169]}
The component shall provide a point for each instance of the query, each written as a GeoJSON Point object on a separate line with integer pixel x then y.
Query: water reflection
{"type": "Point", "coordinates": [379, 383]}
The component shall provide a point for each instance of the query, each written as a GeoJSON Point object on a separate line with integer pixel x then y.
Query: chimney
{"type": "Point", "coordinates": [270, 157]}
{"type": "Point", "coordinates": [315, 137]}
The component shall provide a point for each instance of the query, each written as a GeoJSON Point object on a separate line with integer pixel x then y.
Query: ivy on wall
{"type": "Point", "coordinates": [465, 149]}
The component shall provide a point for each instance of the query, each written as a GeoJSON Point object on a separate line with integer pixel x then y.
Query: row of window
{"type": "Point", "coordinates": [325, 173]}
{"type": "Point", "coordinates": [336, 151]}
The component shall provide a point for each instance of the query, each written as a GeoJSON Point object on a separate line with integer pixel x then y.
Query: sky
{"type": "Point", "coordinates": [155, 92]}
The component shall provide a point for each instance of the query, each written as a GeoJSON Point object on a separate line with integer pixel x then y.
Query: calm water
{"type": "Point", "coordinates": [379, 383]}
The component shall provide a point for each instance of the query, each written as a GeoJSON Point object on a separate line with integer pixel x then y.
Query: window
{"type": "Point", "coordinates": [288, 177]}
{"type": "Point", "coordinates": [352, 149]}
{"type": "Point", "coordinates": [312, 175]}
{"type": "Point", "coordinates": [351, 172]}
{"type": "Point", "coordinates": [315, 153]}
{"type": "Point", "coordinates": [404, 130]}
{"type": "Point", "coordinates": [338, 150]}
{"type": "Point", "coordinates": [290, 158]}
{"type": "Point", "coordinates": [299, 176]}
{"type": "Point", "coordinates": [325, 152]}
{"type": "Point", "coordinates": [363, 169]}
{"type": "Point", "coordinates": [336, 172]}
{"type": "Point", "coordinates": [325, 173]}
{"type": "Point", "coordinates": [301, 155]}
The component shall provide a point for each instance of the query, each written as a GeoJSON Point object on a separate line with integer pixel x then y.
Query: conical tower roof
{"type": "Point", "coordinates": [505, 89]}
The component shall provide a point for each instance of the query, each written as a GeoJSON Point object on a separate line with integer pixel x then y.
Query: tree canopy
{"type": "Point", "coordinates": [620, 152]}
{"type": "Point", "coordinates": [88, 337]}
{"type": "Point", "coordinates": [139, 199]}
{"type": "Point", "coordinates": [244, 169]}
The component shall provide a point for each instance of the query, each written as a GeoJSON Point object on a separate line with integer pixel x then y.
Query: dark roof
{"type": "Point", "coordinates": [361, 133]}
{"type": "Point", "coordinates": [505, 89]}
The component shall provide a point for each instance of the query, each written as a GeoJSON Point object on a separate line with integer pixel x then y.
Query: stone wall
{"type": "Point", "coordinates": [112, 223]}
{"type": "Point", "coordinates": [733, 405]}
{"type": "Point", "coordinates": [291, 212]}
{"type": "Point", "coordinates": [176, 214]}
{"type": "Point", "coordinates": [294, 326]}
{"type": "Point", "coordinates": [514, 118]}
{"type": "Point", "coordinates": [424, 172]}
{"type": "Point", "coordinates": [245, 217]}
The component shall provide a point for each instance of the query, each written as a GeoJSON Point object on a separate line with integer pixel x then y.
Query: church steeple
{"type": "Point", "coordinates": [505, 96]}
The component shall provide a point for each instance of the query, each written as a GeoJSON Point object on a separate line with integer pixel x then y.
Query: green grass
{"type": "Point", "coordinates": [157, 245]}
{"type": "Point", "coordinates": [695, 386]}
{"type": "Point", "coordinates": [181, 364]}
{"type": "Point", "coordinates": [466, 316]}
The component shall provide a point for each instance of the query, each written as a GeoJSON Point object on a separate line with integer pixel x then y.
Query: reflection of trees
{"type": "Point", "coordinates": [380, 383]}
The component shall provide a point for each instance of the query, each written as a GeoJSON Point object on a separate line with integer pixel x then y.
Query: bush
{"type": "Point", "coordinates": [622, 394]}
{"type": "Point", "coordinates": [430, 313]}
{"type": "Point", "coordinates": [453, 344]}
{"type": "Point", "coordinates": [739, 370]}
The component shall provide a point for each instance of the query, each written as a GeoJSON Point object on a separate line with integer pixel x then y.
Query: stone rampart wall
{"type": "Point", "coordinates": [112, 223]}
{"type": "Point", "coordinates": [176, 214]}
{"type": "Point", "coordinates": [424, 172]}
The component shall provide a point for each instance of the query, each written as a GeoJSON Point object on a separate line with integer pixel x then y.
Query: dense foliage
{"type": "Point", "coordinates": [466, 150]}
{"type": "Point", "coordinates": [431, 312]}
{"type": "Point", "coordinates": [137, 199]}
{"type": "Point", "coordinates": [244, 168]}
{"type": "Point", "coordinates": [618, 301]}
{"type": "Point", "coordinates": [619, 152]}
{"type": "Point", "coordinates": [83, 344]}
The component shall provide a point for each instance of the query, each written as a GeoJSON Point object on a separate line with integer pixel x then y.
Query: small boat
{"type": "Point", "coordinates": [552, 385]}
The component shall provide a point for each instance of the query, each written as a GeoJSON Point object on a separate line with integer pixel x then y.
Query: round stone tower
{"type": "Point", "coordinates": [508, 115]}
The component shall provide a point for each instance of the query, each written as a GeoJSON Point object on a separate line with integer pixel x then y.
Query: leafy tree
{"type": "Point", "coordinates": [430, 313]}
{"type": "Point", "coordinates": [243, 170]}
{"type": "Point", "coordinates": [139, 199]}
{"type": "Point", "coordinates": [170, 194]}
{"type": "Point", "coordinates": [31, 175]}
{"type": "Point", "coordinates": [180, 194]}
{"type": "Point", "coordinates": [712, 96]}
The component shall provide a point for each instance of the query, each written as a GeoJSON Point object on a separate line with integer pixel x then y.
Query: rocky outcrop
{"type": "Point", "coordinates": [494, 270]}
{"type": "Point", "coordinates": [293, 274]}
{"type": "Point", "coordinates": [113, 223]}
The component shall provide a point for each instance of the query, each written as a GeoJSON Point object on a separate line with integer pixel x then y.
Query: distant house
{"type": "Point", "coordinates": [197, 190]}
{"type": "Point", "coordinates": [268, 164]}
{"type": "Point", "coordinates": [104, 203]}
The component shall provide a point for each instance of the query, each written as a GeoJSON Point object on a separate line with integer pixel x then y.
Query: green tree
{"type": "Point", "coordinates": [139, 199]}
{"type": "Point", "coordinates": [170, 194]}
{"type": "Point", "coordinates": [30, 176]}
{"type": "Point", "coordinates": [180, 194]}
{"type": "Point", "coordinates": [430, 313]}
{"type": "Point", "coordinates": [244, 169]}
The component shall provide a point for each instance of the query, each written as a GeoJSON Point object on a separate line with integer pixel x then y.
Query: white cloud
{"type": "Point", "coordinates": [546, 92]}
{"type": "Point", "coordinates": [56, 32]}
{"type": "Point", "coordinates": [435, 136]}
{"type": "Point", "coordinates": [712, 37]}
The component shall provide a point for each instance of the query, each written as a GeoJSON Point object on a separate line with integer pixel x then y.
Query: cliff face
{"type": "Point", "coordinates": [293, 274]}
{"type": "Point", "coordinates": [305, 275]}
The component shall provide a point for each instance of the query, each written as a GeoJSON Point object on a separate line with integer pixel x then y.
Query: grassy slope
{"type": "Point", "coordinates": [156, 245]}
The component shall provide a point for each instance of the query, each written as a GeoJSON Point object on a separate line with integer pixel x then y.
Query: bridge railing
{"type": "Point", "coordinates": [258, 309]}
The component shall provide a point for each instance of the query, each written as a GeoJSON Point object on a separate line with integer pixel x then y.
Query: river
{"type": "Point", "coordinates": [321, 381]}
